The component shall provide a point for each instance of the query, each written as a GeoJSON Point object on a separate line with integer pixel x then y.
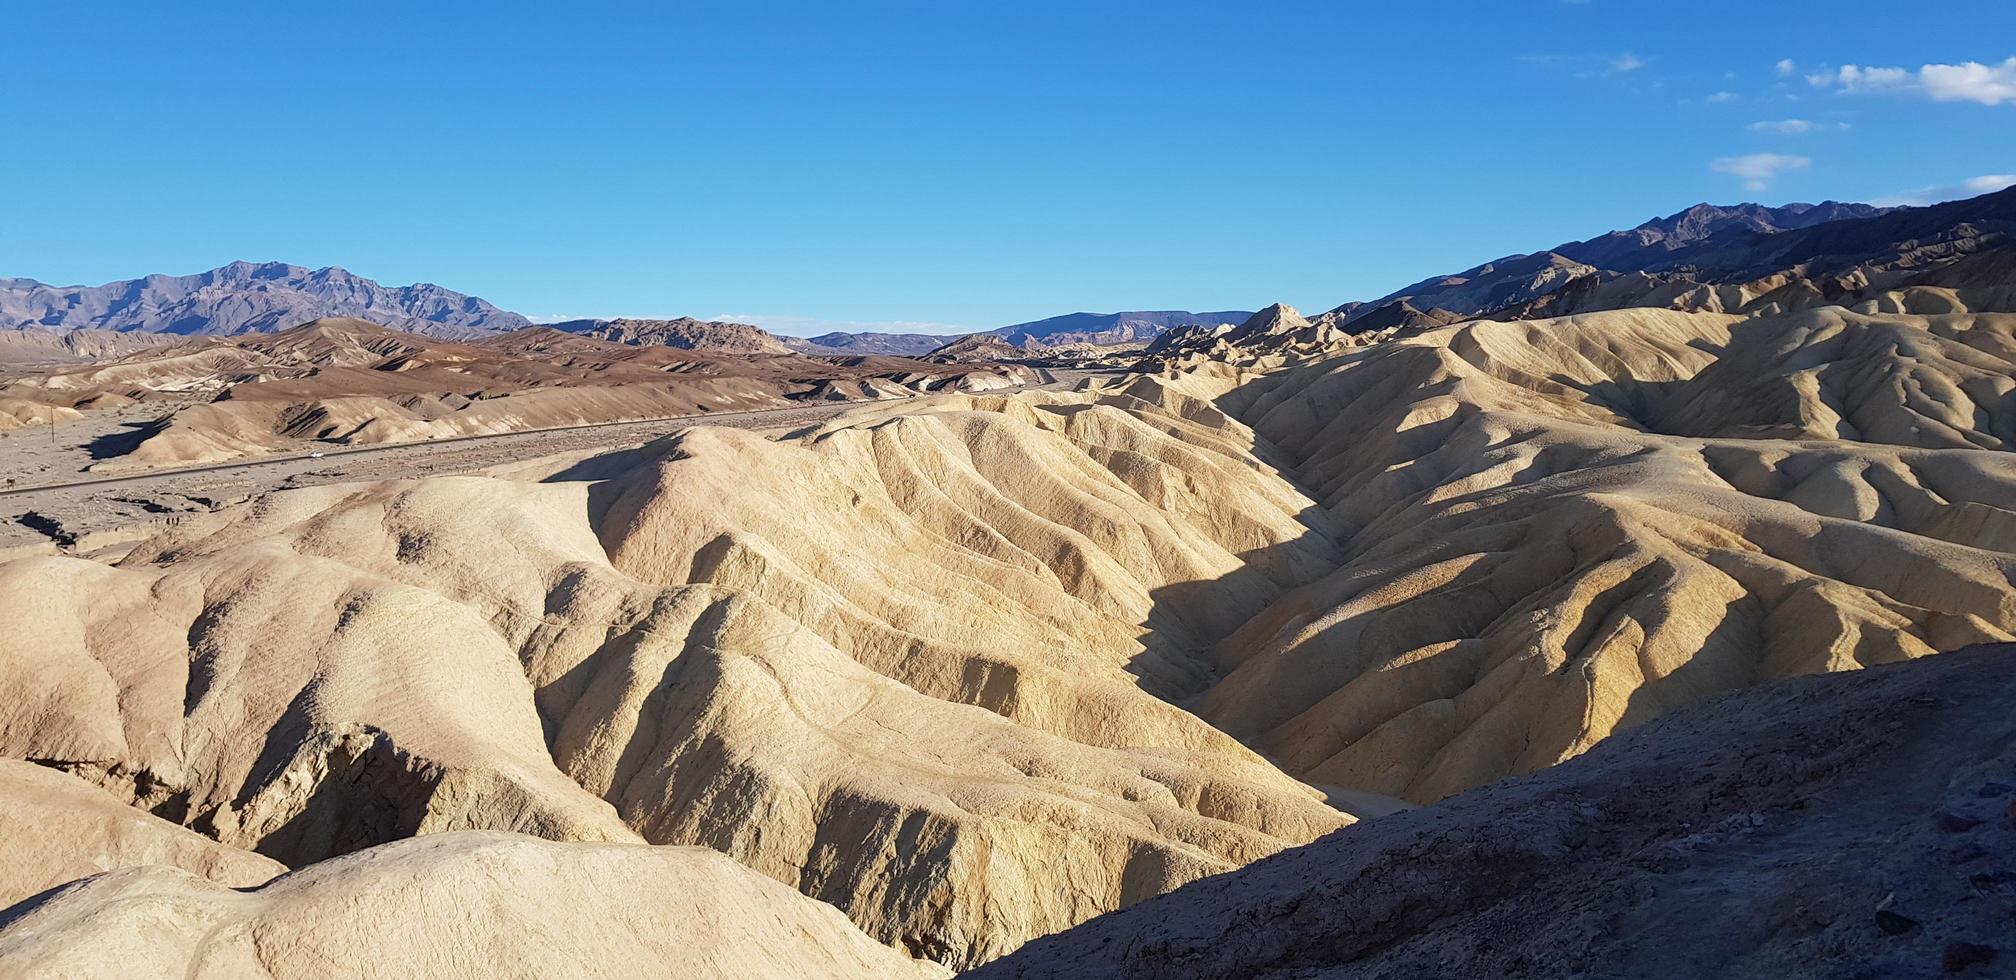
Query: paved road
{"type": "Point", "coordinates": [763, 418]}
{"type": "Point", "coordinates": [95, 503]}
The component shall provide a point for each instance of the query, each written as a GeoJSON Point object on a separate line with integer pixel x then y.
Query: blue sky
{"type": "Point", "coordinates": [954, 165]}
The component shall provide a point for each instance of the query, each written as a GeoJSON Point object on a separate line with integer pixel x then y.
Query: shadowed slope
{"type": "Point", "coordinates": [1840, 826]}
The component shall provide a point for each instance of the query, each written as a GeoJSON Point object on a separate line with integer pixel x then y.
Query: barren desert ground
{"type": "Point", "coordinates": [1280, 491]}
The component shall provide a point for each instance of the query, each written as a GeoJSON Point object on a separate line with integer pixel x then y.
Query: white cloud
{"type": "Point", "coordinates": [1795, 127]}
{"type": "Point", "coordinates": [1758, 170]}
{"type": "Point", "coordinates": [1724, 97]}
{"type": "Point", "coordinates": [1971, 187]}
{"type": "Point", "coordinates": [1969, 81]}
{"type": "Point", "coordinates": [1625, 69]}
{"type": "Point", "coordinates": [1855, 78]}
{"type": "Point", "coordinates": [1786, 67]}
{"type": "Point", "coordinates": [1589, 65]}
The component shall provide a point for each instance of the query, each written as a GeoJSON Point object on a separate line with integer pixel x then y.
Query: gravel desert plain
{"type": "Point", "coordinates": [1034, 491]}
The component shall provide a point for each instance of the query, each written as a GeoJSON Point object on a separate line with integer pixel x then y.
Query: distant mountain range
{"type": "Point", "coordinates": [1650, 242]}
{"type": "Point", "coordinates": [1126, 327]}
{"type": "Point", "coordinates": [1518, 278]}
{"type": "Point", "coordinates": [1717, 258]}
{"type": "Point", "coordinates": [1705, 257]}
{"type": "Point", "coordinates": [245, 297]}
{"type": "Point", "coordinates": [906, 344]}
{"type": "Point", "coordinates": [1953, 257]}
{"type": "Point", "coordinates": [1109, 328]}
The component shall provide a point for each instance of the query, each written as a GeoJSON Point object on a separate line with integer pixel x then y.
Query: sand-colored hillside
{"type": "Point", "coordinates": [975, 668]}
{"type": "Point", "coordinates": [908, 665]}
{"type": "Point", "coordinates": [56, 828]}
{"type": "Point", "coordinates": [16, 413]}
{"type": "Point", "coordinates": [1533, 562]}
{"type": "Point", "coordinates": [471, 904]}
{"type": "Point", "coordinates": [27, 349]}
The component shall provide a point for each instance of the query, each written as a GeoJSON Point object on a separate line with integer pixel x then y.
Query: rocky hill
{"type": "Point", "coordinates": [1108, 328]}
{"type": "Point", "coordinates": [544, 908]}
{"type": "Point", "coordinates": [1643, 246]}
{"type": "Point", "coordinates": [901, 344]}
{"type": "Point", "coordinates": [245, 297]}
{"type": "Point", "coordinates": [1097, 329]}
{"type": "Point", "coordinates": [977, 347]}
{"type": "Point", "coordinates": [24, 346]}
{"type": "Point", "coordinates": [685, 333]}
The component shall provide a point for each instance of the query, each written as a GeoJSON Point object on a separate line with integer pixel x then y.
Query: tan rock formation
{"type": "Point", "coordinates": [56, 828]}
{"type": "Point", "coordinates": [20, 413]}
{"type": "Point", "coordinates": [1535, 563]}
{"type": "Point", "coordinates": [919, 683]}
{"type": "Point", "coordinates": [925, 661]}
{"type": "Point", "coordinates": [468, 904]}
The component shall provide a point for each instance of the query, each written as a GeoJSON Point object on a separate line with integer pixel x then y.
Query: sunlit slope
{"type": "Point", "coordinates": [909, 665]}
{"type": "Point", "coordinates": [1559, 528]}
{"type": "Point", "coordinates": [56, 828]}
{"type": "Point", "coordinates": [468, 904]}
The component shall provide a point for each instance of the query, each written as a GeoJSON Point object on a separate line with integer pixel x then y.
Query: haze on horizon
{"type": "Point", "coordinates": [937, 169]}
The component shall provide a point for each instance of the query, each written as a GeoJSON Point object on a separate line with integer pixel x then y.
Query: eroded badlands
{"type": "Point", "coordinates": [976, 668]}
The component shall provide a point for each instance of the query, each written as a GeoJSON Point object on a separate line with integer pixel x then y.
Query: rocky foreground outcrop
{"type": "Point", "coordinates": [1852, 825]}
{"type": "Point", "coordinates": [451, 905]}
{"type": "Point", "coordinates": [56, 828]}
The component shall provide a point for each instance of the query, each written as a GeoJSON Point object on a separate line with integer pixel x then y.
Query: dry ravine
{"type": "Point", "coordinates": [906, 690]}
